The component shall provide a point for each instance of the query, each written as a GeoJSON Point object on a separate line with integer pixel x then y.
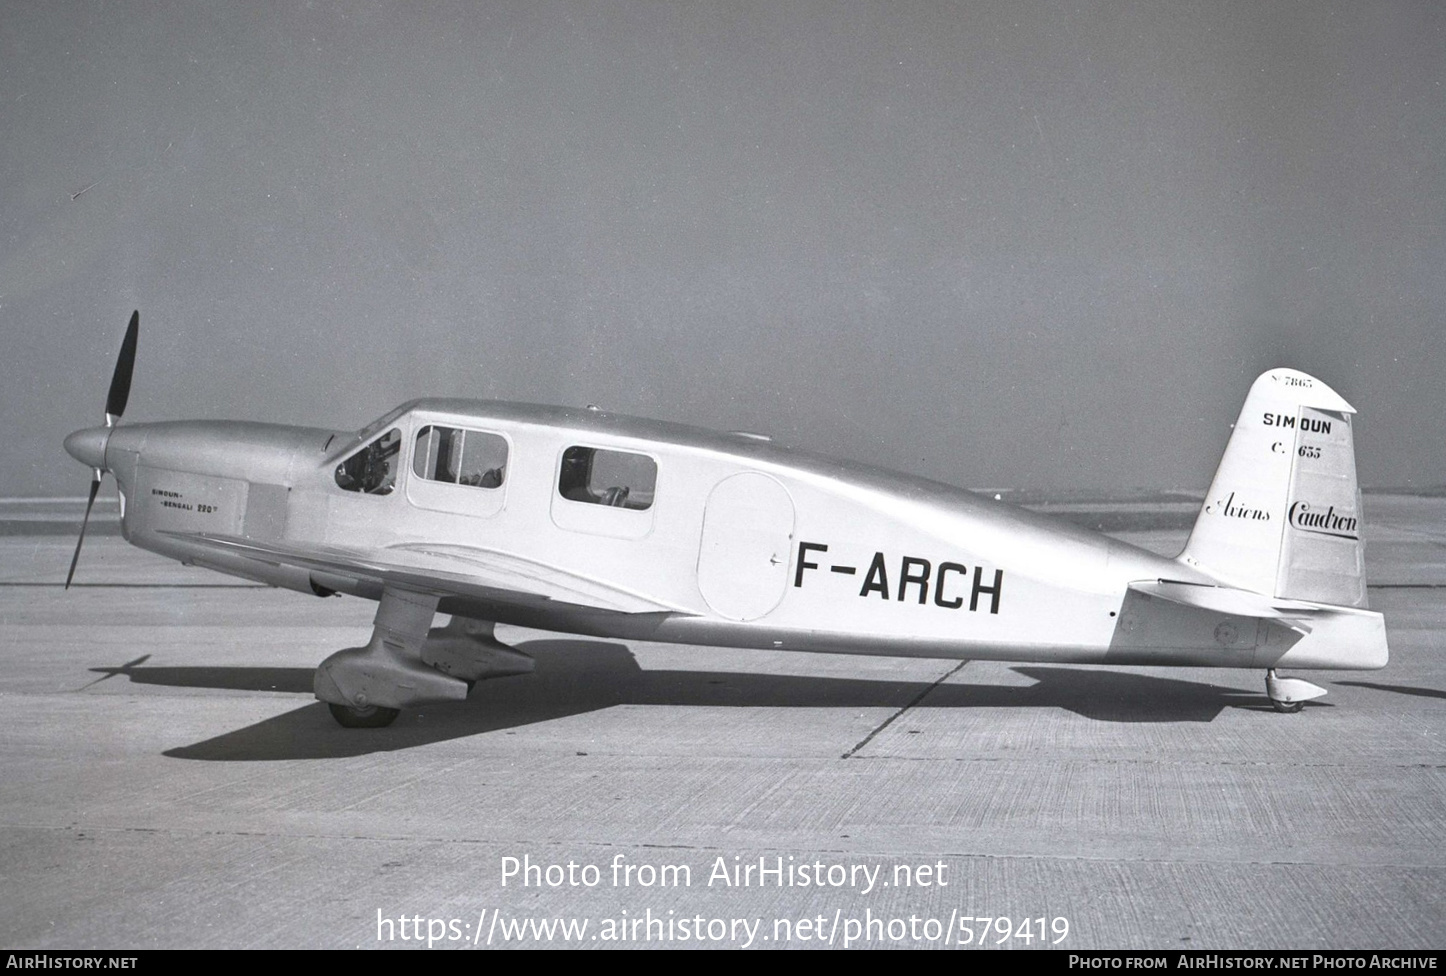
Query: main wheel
{"type": "Point", "coordinates": [371, 717]}
{"type": "Point", "coordinates": [1289, 708]}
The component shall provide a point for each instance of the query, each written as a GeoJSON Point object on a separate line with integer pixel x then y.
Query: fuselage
{"type": "Point", "coordinates": [735, 541]}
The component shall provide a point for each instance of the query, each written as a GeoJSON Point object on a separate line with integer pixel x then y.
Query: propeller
{"type": "Point", "coordinates": [89, 445]}
{"type": "Point", "coordinates": [120, 380]}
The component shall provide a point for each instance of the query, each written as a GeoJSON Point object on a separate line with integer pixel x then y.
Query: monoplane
{"type": "Point", "coordinates": [589, 522]}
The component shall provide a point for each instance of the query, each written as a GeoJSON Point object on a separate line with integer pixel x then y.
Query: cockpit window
{"type": "Point", "coordinates": [373, 469]}
{"type": "Point", "coordinates": [617, 479]}
{"type": "Point", "coordinates": [460, 457]}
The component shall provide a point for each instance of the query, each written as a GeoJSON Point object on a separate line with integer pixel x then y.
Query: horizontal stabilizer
{"type": "Point", "coordinates": [1231, 627]}
{"type": "Point", "coordinates": [1228, 600]}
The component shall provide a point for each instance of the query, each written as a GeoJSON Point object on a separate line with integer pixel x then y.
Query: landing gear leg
{"type": "Point", "coordinates": [1289, 695]}
{"type": "Point", "coordinates": [469, 649]}
{"type": "Point", "coordinates": [367, 687]}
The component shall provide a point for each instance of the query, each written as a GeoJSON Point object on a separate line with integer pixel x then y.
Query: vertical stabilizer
{"type": "Point", "coordinates": [1283, 516]}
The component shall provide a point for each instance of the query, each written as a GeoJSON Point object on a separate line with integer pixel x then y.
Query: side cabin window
{"type": "Point", "coordinates": [460, 457]}
{"type": "Point", "coordinates": [617, 479]}
{"type": "Point", "coordinates": [373, 469]}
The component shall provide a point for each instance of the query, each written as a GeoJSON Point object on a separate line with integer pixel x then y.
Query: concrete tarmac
{"type": "Point", "coordinates": [170, 782]}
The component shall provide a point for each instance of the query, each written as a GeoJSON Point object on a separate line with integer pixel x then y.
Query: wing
{"type": "Point", "coordinates": [442, 569]}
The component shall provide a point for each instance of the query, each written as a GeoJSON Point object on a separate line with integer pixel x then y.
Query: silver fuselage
{"type": "Point", "coordinates": [744, 544]}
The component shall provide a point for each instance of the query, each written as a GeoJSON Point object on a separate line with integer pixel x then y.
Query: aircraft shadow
{"type": "Point", "coordinates": [1398, 689]}
{"type": "Point", "coordinates": [297, 680]}
{"type": "Point", "coordinates": [578, 676]}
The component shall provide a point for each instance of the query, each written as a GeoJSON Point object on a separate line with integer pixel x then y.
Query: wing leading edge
{"type": "Point", "coordinates": [439, 569]}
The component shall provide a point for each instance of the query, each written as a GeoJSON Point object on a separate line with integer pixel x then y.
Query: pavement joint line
{"type": "Point", "coordinates": [1162, 762]}
{"type": "Point", "coordinates": [851, 852]}
{"type": "Point", "coordinates": [890, 720]}
{"type": "Point", "coordinates": [786, 758]}
{"type": "Point", "coordinates": [1420, 535]}
{"type": "Point", "coordinates": [137, 586]}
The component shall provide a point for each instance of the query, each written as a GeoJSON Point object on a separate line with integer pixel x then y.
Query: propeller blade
{"type": "Point", "coordinates": [120, 381]}
{"type": "Point", "coordinates": [94, 487]}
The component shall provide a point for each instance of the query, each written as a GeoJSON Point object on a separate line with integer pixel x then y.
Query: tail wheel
{"type": "Point", "coordinates": [1289, 695]}
{"type": "Point", "coordinates": [371, 717]}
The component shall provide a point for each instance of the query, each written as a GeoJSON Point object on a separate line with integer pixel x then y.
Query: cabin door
{"type": "Point", "coordinates": [747, 541]}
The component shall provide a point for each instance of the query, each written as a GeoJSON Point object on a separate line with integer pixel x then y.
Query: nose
{"type": "Point", "coordinates": [88, 446]}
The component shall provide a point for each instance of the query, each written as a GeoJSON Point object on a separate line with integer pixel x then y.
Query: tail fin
{"type": "Point", "coordinates": [1283, 514]}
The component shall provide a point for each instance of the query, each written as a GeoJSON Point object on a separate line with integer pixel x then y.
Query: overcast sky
{"type": "Point", "coordinates": [1001, 245]}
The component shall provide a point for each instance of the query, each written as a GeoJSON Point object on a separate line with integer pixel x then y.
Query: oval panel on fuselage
{"type": "Point", "coordinates": [747, 540]}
